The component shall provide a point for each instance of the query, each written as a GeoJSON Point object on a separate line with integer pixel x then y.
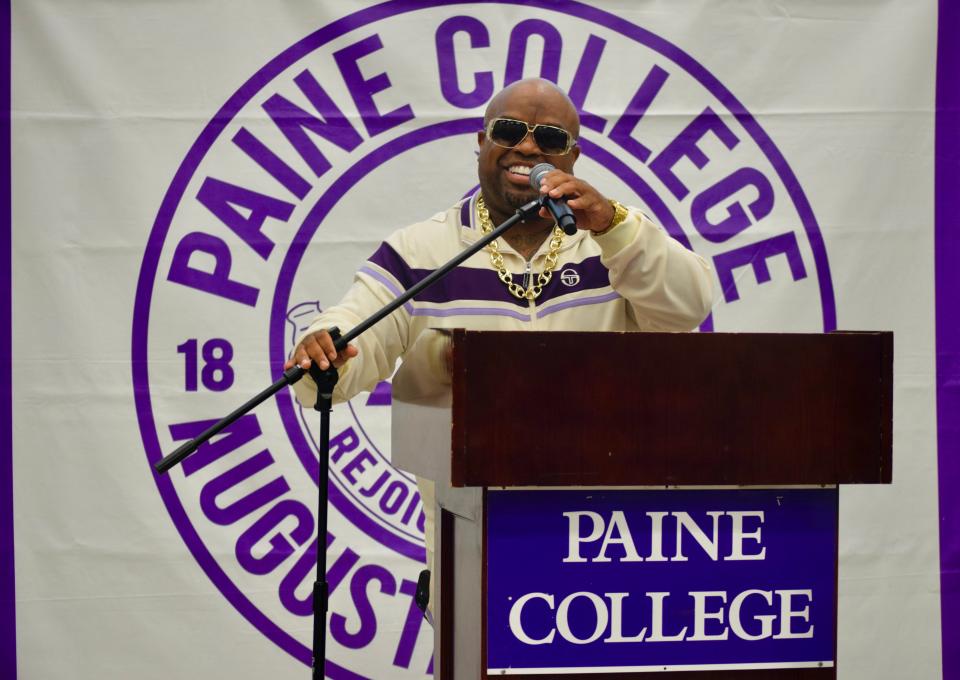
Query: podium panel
{"type": "Point", "coordinates": [541, 429]}
{"type": "Point", "coordinates": [631, 581]}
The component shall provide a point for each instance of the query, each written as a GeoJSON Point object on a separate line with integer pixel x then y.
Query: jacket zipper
{"type": "Point", "coordinates": [527, 280]}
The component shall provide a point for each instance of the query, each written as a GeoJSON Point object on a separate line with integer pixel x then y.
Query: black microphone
{"type": "Point", "coordinates": [557, 206]}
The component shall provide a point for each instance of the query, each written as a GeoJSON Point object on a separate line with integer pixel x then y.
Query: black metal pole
{"type": "Point", "coordinates": [320, 589]}
{"type": "Point", "coordinates": [326, 380]}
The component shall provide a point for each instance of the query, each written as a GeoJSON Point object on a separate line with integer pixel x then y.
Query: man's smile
{"type": "Point", "coordinates": [518, 173]}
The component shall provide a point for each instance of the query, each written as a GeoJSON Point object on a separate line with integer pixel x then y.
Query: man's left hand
{"type": "Point", "coordinates": [591, 209]}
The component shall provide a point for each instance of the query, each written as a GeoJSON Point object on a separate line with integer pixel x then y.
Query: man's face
{"type": "Point", "coordinates": [504, 173]}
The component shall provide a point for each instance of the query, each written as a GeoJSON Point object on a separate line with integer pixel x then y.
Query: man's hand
{"type": "Point", "coordinates": [591, 209]}
{"type": "Point", "coordinates": [319, 347]}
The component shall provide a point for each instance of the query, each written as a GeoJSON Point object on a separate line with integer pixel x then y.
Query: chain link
{"type": "Point", "coordinates": [496, 258]}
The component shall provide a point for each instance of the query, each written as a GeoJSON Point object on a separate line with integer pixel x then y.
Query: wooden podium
{"type": "Point", "coordinates": [663, 410]}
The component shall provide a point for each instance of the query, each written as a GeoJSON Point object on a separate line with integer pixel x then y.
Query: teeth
{"type": "Point", "coordinates": [520, 169]}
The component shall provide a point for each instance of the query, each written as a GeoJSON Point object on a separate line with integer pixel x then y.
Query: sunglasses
{"type": "Point", "coordinates": [552, 140]}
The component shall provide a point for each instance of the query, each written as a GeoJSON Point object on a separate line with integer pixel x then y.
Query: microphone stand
{"type": "Point", "coordinates": [326, 380]}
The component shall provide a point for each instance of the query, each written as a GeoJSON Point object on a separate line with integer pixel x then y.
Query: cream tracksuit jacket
{"type": "Point", "coordinates": [635, 277]}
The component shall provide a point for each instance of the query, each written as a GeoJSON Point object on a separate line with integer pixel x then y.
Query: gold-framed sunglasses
{"type": "Point", "coordinates": [508, 133]}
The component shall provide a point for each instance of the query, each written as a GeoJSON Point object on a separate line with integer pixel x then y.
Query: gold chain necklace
{"type": "Point", "coordinates": [496, 258]}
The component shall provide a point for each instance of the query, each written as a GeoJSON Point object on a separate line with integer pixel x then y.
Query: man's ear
{"type": "Point", "coordinates": [576, 153]}
{"type": "Point", "coordinates": [481, 137]}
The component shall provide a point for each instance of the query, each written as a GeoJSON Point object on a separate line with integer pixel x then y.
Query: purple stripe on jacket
{"type": "Point", "coordinates": [467, 283]}
{"type": "Point", "coordinates": [579, 302]}
{"type": "Point", "coordinates": [441, 312]}
{"type": "Point", "coordinates": [421, 310]}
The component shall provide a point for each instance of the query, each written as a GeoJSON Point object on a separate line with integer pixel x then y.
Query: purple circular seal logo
{"type": "Point", "coordinates": [364, 126]}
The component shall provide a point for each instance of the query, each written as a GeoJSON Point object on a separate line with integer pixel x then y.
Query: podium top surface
{"type": "Point", "coordinates": [560, 409]}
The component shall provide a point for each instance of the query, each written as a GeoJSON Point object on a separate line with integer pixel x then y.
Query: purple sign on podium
{"type": "Point", "coordinates": [673, 579]}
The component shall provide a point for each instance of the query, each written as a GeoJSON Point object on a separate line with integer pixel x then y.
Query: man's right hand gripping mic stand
{"type": "Point", "coordinates": [326, 380]}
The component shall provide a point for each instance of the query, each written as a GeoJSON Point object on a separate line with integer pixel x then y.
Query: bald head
{"type": "Point", "coordinates": [535, 94]}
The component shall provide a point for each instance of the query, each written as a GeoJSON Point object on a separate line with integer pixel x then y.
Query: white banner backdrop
{"type": "Point", "coordinates": [171, 231]}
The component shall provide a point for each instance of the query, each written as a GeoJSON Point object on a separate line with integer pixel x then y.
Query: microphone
{"type": "Point", "coordinates": [557, 206]}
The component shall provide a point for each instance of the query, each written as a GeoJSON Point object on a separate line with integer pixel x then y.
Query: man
{"type": "Point", "coordinates": [620, 271]}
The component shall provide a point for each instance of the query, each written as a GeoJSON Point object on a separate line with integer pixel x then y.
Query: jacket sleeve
{"type": "Point", "coordinates": [669, 288]}
{"type": "Point", "coordinates": [381, 279]}
{"type": "Point", "coordinates": [379, 347]}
